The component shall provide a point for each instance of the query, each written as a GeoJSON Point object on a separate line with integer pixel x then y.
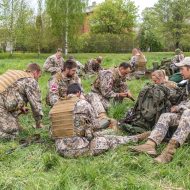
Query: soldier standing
{"type": "Point", "coordinates": [88, 138]}
{"type": "Point", "coordinates": [58, 84]}
{"type": "Point", "coordinates": [54, 63]}
{"type": "Point", "coordinates": [17, 88]}
{"type": "Point", "coordinates": [179, 117]}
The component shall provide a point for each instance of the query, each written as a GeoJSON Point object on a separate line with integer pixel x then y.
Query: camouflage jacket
{"type": "Point", "coordinates": [85, 121]}
{"type": "Point", "coordinates": [53, 65]}
{"type": "Point", "coordinates": [184, 105]}
{"type": "Point", "coordinates": [58, 85]}
{"type": "Point", "coordinates": [109, 83]}
{"type": "Point", "coordinates": [178, 58]}
{"type": "Point", "coordinates": [20, 93]}
{"type": "Point", "coordinates": [92, 67]}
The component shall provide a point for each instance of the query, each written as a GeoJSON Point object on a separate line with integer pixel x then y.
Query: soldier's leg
{"type": "Point", "coordinates": [101, 144]}
{"type": "Point", "coordinates": [9, 126]}
{"type": "Point", "coordinates": [183, 129]}
{"type": "Point", "coordinates": [72, 147]}
{"type": "Point", "coordinates": [165, 121]}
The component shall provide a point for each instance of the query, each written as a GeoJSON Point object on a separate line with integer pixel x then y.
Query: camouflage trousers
{"type": "Point", "coordinates": [8, 124]}
{"type": "Point", "coordinates": [73, 147]}
{"type": "Point", "coordinates": [167, 120]}
{"type": "Point", "coordinates": [98, 103]}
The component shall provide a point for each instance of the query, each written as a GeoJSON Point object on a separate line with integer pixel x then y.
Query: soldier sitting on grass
{"type": "Point", "coordinates": [178, 118]}
{"type": "Point", "coordinates": [88, 136]}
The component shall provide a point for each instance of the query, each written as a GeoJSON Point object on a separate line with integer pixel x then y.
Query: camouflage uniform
{"type": "Point", "coordinates": [13, 99]}
{"type": "Point", "coordinates": [179, 120]}
{"type": "Point", "coordinates": [53, 64]}
{"type": "Point", "coordinates": [58, 85]}
{"type": "Point", "coordinates": [92, 67]}
{"type": "Point", "coordinates": [88, 138]}
{"type": "Point", "coordinates": [107, 86]}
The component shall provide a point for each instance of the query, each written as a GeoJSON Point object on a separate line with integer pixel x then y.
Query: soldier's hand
{"type": "Point", "coordinates": [24, 110]}
{"type": "Point", "coordinates": [123, 94]}
{"type": "Point", "coordinates": [129, 94]}
{"type": "Point", "coordinates": [38, 125]}
{"type": "Point", "coordinates": [173, 109]}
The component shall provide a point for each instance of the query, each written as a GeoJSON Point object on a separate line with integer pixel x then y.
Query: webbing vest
{"type": "Point", "coordinates": [11, 76]}
{"type": "Point", "coordinates": [61, 116]}
{"type": "Point", "coordinates": [141, 63]}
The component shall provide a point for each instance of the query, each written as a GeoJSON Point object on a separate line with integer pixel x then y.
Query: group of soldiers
{"type": "Point", "coordinates": [87, 135]}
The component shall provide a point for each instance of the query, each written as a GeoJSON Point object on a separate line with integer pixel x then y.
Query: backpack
{"type": "Point", "coordinates": [152, 101]}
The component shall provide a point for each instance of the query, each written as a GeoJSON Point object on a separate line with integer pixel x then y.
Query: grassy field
{"type": "Point", "coordinates": [38, 166]}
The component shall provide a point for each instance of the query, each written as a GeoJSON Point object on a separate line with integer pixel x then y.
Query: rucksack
{"type": "Point", "coordinates": [152, 101]}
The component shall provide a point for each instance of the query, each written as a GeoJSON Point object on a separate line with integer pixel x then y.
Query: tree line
{"type": "Point", "coordinates": [114, 26]}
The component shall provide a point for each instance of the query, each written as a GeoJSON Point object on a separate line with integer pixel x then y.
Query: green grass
{"type": "Point", "coordinates": [38, 166]}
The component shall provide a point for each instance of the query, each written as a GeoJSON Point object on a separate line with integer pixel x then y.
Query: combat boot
{"type": "Point", "coordinates": [143, 136]}
{"type": "Point", "coordinates": [167, 154]}
{"type": "Point", "coordinates": [148, 148]}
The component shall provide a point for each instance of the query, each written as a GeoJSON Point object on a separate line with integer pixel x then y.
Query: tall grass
{"type": "Point", "coordinates": [38, 166]}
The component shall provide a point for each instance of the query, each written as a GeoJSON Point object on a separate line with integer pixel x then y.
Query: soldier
{"type": "Point", "coordinates": [16, 89]}
{"type": "Point", "coordinates": [93, 65]}
{"type": "Point", "coordinates": [110, 84]}
{"type": "Point", "coordinates": [59, 83]}
{"type": "Point", "coordinates": [80, 66]}
{"type": "Point", "coordinates": [88, 139]}
{"type": "Point", "coordinates": [54, 63]}
{"type": "Point", "coordinates": [179, 117]}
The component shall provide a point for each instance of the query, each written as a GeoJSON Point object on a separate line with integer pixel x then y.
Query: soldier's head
{"type": "Point", "coordinates": [184, 66]}
{"type": "Point", "coordinates": [158, 76]}
{"type": "Point", "coordinates": [34, 69]}
{"type": "Point", "coordinates": [125, 68]}
{"type": "Point", "coordinates": [70, 68]}
{"type": "Point", "coordinates": [177, 51]}
{"type": "Point", "coordinates": [59, 53]}
{"type": "Point", "coordinates": [135, 51]}
{"type": "Point", "coordinates": [75, 89]}
{"type": "Point", "coordinates": [99, 60]}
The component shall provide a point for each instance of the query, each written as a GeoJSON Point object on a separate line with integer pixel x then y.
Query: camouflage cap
{"type": "Point", "coordinates": [185, 62]}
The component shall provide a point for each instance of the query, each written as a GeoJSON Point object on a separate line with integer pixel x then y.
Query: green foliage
{"type": "Point", "coordinates": [38, 166]}
{"type": "Point", "coordinates": [104, 43]}
{"type": "Point", "coordinates": [114, 16]}
{"type": "Point", "coordinates": [148, 35]}
{"type": "Point", "coordinates": [166, 26]}
{"type": "Point", "coordinates": [66, 17]}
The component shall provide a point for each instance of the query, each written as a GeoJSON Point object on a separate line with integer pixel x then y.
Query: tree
{"type": "Point", "coordinates": [148, 36]}
{"type": "Point", "coordinates": [66, 19]}
{"type": "Point", "coordinates": [114, 16]}
{"type": "Point", "coordinates": [174, 16]}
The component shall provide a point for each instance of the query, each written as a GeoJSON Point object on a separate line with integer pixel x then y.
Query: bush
{"type": "Point", "coordinates": [105, 43]}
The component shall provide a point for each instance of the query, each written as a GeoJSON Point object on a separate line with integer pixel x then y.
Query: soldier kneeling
{"type": "Point", "coordinates": [17, 88]}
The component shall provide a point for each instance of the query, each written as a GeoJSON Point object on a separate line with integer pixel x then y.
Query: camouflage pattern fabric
{"type": "Point", "coordinates": [99, 104]}
{"type": "Point", "coordinates": [57, 87]}
{"type": "Point", "coordinates": [13, 100]}
{"type": "Point", "coordinates": [53, 64]}
{"type": "Point", "coordinates": [179, 120]}
{"type": "Point", "coordinates": [108, 84]}
{"type": "Point", "coordinates": [92, 67]}
{"type": "Point", "coordinates": [87, 141]}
